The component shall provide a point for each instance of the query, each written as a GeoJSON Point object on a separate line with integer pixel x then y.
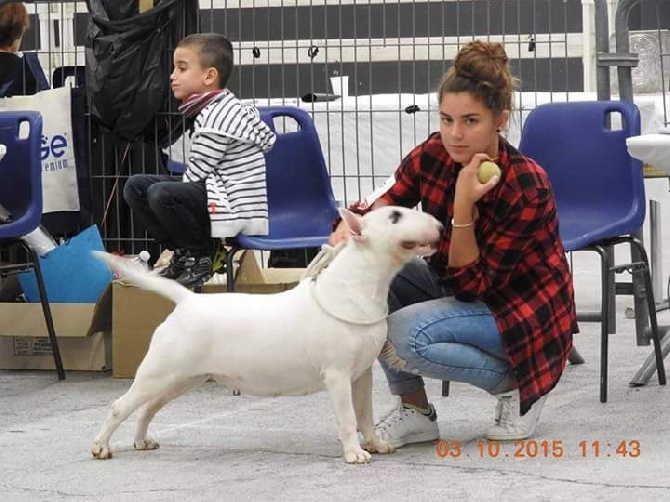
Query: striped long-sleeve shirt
{"type": "Point", "coordinates": [226, 153]}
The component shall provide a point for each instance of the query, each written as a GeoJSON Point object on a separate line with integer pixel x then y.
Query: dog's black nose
{"type": "Point", "coordinates": [395, 216]}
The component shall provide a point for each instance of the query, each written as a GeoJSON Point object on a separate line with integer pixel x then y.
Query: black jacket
{"type": "Point", "coordinates": [128, 66]}
{"type": "Point", "coordinates": [14, 67]}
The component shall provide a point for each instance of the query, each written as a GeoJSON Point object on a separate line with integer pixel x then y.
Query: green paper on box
{"type": "Point", "coordinates": [71, 273]}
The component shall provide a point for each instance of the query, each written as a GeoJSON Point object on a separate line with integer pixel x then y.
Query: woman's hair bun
{"type": "Point", "coordinates": [481, 68]}
{"type": "Point", "coordinates": [484, 62]}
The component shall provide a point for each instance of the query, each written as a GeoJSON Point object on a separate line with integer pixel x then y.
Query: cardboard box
{"type": "Point", "coordinates": [136, 313]}
{"type": "Point", "coordinates": [83, 331]}
{"type": "Point", "coordinates": [250, 278]}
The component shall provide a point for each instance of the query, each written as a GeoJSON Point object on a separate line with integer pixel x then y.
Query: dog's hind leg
{"type": "Point", "coordinates": [338, 385]}
{"type": "Point", "coordinates": [141, 391]}
{"type": "Point", "coordinates": [148, 411]}
{"type": "Point", "coordinates": [362, 392]}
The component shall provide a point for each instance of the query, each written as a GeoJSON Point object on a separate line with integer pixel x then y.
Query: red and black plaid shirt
{"type": "Point", "coordinates": [521, 274]}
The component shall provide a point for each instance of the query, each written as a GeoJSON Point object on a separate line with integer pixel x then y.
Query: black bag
{"type": "Point", "coordinates": [128, 66]}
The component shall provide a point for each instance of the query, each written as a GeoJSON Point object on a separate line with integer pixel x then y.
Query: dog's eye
{"type": "Point", "coordinates": [395, 217]}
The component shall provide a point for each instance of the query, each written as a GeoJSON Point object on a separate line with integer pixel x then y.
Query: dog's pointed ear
{"type": "Point", "coordinates": [353, 221]}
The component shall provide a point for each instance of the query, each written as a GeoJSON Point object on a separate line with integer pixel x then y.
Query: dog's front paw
{"type": "Point", "coordinates": [146, 444]}
{"type": "Point", "coordinates": [101, 452]}
{"type": "Point", "coordinates": [377, 445]}
{"type": "Point", "coordinates": [356, 455]}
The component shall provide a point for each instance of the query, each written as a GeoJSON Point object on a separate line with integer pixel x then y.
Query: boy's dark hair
{"type": "Point", "coordinates": [214, 51]}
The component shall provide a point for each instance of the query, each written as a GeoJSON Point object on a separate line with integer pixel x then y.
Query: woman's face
{"type": "Point", "coordinates": [468, 127]}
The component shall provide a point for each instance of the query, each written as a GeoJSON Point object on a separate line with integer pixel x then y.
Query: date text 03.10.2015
{"type": "Point", "coordinates": [534, 448]}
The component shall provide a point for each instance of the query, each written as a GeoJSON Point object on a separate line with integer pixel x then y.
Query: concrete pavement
{"type": "Point", "coordinates": [215, 446]}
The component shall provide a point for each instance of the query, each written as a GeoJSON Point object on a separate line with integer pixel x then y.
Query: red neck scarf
{"type": "Point", "coordinates": [193, 104]}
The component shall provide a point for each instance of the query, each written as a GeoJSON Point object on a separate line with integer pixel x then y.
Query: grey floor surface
{"type": "Point", "coordinates": [215, 446]}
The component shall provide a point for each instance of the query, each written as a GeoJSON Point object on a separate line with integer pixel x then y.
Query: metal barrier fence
{"type": "Point", "coordinates": [642, 31]}
{"type": "Point", "coordinates": [383, 58]}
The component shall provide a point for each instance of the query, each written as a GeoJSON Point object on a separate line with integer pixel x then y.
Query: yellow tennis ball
{"type": "Point", "coordinates": [487, 170]}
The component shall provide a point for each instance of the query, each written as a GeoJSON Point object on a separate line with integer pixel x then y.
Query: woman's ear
{"type": "Point", "coordinates": [502, 120]}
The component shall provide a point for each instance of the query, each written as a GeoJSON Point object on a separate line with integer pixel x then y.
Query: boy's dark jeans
{"type": "Point", "coordinates": [172, 211]}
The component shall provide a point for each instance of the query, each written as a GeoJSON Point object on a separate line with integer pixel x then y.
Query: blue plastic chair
{"type": "Point", "coordinates": [599, 191]}
{"type": "Point", "coordinates": [62, 73]}
{"type": "Point", "coordinates": [300, 197]}
{"type": "Point", "coordinates": [21, 195]}
{"type": "Point", "coordinates": [176, 168]}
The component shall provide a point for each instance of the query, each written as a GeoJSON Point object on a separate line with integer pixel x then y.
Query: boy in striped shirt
{"type": "Point", "coordinates": [223, 190]}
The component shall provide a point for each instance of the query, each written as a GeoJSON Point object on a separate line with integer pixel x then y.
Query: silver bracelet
{"type": "Point", "coordinates": [462, 225]}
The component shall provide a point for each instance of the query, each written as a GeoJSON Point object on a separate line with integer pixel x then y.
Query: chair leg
{"type": "Point", "coordinates": [445, 387]}
{"type": "Point", "coordinates": [48, 318]}
{"type": "Point", "coordinates": [651, 305]}
{"type": "Point", "coordinates": [604, 315]}
{"type": "Point", "coordinates": [658, 351]}
{"type": "Point", "coordinates": [230, 271]}
{"type": "Point", "coordinates": [575, 357]}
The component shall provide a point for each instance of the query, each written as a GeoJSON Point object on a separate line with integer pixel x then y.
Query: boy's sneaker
{"type": "Point", "coordinates": [406, 425]}
{"type": "Point", "coordinates": [198, 271]}
{"type": "Point", "coordinates": [177, 264]}
{"type": "Point", "coordinates": [219, 260]}
{"type": "Point", "coordinates": [510, 425]}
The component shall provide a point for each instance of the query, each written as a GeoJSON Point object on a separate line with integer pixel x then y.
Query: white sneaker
{"type": "Point", "coordinates": [408, 425]}
{"type": "Point", "coordinates": [510, 425]}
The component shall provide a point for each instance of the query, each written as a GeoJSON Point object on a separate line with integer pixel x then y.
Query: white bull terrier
{"type": "Point", "coordinates": [324, 334]}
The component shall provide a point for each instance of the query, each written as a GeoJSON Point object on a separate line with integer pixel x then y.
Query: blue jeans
{"type": "Point", "coordinates": [434, 335]}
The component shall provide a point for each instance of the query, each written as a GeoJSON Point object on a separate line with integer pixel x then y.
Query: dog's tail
{"type": "Point", "coordinates": [136, 274]}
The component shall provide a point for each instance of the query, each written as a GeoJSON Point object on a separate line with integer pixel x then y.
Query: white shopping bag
{"type": "Point", "coordinates": [59, 172]}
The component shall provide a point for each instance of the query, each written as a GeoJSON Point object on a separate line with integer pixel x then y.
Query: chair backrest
{"type": "Point", "coordinates": [21, 170]}
{"type": "Point", "coordinates": [587, 161]}
{"type": "Point", "coordinates": [300, 196]}
{"type": "Point", "coordinates": [60, 75]}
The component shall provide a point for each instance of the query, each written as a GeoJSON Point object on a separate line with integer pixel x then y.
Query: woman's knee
{"type": "Point", "coordinates": [400, 347]}
{"type": "Point", "coordinates": [415, 330]}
